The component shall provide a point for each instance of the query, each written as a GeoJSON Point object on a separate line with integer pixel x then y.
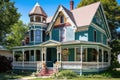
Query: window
{"type": "Point", "coordinates": [78, 57]}
{"type": "Point", "coordinates": [43, 35]}
{"type": "Point", "coordinates": [62, 34]}
{"type": "Point", "coordinates": [65, 54]}
{"type": "Point", "coordinates": [101, 38]}
{"type": "Point", "coordinates": [38, 19]}
{"type": "Point", "coordinates": [31, 19]}
{"type": "Point", "coordinates": [38, 35]}
{"type": "Point", "coordinates": [95, 36]}
{"type": "Point", "coordinates": [62, 19]}
{"type": "Point", "coordinates": [32, 35]}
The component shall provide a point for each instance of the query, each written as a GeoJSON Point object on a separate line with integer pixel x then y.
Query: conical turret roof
{"type": "Point", "coordinates": [37, 10]}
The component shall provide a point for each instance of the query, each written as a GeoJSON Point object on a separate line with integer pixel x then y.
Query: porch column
{"type": "Point", "coordinates": [60, 55]}
{"type": "Point", "coordinates": [109, 57]}
{"type": "Point", "coordinates": [43, 57]}
{"type": "Point", "coordinates": [13, 58]}
{"type": "Point", "coordinates": [75, 53]}
{"type": "Point", "coordinates": [98, 57]}
{"type": "Point", "coordinates": [45, 53]}
{"type": "Point", "coordinates": [23, 57]}
{"type": "Point", "coordinates": [81, 51]}
{"type": "Point", "coordinates": [29, 55]}
{"type": "Point", "coordinates": [34, 54]}
{"type": "Point", "coordinates": [102, 57]}
{"type": "Point", "coordinates": [58, 52]}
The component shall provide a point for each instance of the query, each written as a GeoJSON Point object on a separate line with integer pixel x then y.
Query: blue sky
{"type": "Point", "coordinates": [50, 6]}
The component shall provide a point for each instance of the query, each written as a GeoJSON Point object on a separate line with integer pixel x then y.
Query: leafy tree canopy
{"type": "Point", "coordinates": [111, 10]}
{"type": "Point", "coordinates": [8, 16]}
{"type": "Point", "coordinates": [17, 34]}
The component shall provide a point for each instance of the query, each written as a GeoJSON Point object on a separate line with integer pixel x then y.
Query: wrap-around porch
{"type": "Point", "coordinates": [78, 57]}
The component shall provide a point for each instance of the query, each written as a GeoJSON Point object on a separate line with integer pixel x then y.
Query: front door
{"type": "Point", "coordinates": [51, 56]}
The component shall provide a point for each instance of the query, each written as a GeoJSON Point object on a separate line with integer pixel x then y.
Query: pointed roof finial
{"type": "Point", "coordinates": [37, 9]}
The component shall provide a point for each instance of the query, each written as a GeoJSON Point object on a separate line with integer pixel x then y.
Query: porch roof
{"type": "Point", "coordinates": [51, 43]}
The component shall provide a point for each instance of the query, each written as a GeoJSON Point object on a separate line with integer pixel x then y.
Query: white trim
{"type": "Point", "coordinates": [60, 8]}
{"type": "Point", "coordinates": [98, 28]}
{"type": "Point", "coordinates": [106, 21]}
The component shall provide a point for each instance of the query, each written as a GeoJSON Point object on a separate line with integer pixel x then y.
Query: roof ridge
{"type": "Point", "coordinates": [87, 5]}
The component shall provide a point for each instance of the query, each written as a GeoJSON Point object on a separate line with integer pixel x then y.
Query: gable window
{"type": "Point", "coordinates": [95, 36]}
{"type": "Point", "coordinates": [38, 35]}
{"type": "Point", "coordinates": [32, 35]}
{"type": "Point", "coordinates": [62, 19]}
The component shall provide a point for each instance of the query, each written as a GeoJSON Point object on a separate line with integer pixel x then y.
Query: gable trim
{"type": "Point", "coordinates": [60, 8]}
{"type": "Point", "coordinates": [98, 28]}
{"type": "Point", "coordinates": [106, 21]}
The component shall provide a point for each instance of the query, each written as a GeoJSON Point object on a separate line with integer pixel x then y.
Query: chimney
{"type": "Point", "coordinates": [71, 4]}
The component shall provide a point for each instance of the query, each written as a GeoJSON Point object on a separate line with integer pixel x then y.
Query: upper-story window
{"type": "Point", "coordinates": [32, 35]}
{"type": "Point", "coordinates": [95, 36]}
{"type": "Point", "coordinates": [61, 19]}
{"type": "Point", "coordinates": [38, 19]}
{"type": "Point", "coordinates": [31, 19]}
{"type": "Point", "coordinates": [62, 34]}
{"type": "Point", "coordinates": [38, 35]}
{"type": "Point", "coordinates": [101, 38]}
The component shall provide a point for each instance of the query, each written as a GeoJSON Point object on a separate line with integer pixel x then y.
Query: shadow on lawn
{"type": "Point", "coordinates": [14, 74]}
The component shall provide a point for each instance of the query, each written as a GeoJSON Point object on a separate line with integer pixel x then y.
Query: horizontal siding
{"type": "Point", "coordinates": [83, 35]}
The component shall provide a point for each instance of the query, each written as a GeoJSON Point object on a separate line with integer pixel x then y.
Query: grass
{"type": "Point", "coordinates": [14, 75]}
{"type": "Point", "coordinates": [108, 75]}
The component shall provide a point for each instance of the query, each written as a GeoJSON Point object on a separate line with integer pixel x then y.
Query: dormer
{"type": "Point", "coordinates": [37, 14]}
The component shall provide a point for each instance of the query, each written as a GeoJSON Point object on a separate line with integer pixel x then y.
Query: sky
{"type": "Point", "coordinates": [49, 6]}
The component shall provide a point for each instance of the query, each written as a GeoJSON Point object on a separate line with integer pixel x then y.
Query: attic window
{"type": "Point", "coordinates": [62, 19]}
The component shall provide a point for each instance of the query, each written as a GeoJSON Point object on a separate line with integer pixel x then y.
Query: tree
{"type": "Point", "coordinates": [17, 34]}
{"type": "Point", "coordinates": [111, 10]}
{"type": "Point", "coordinates": [115, 45]}
{"type": "Point", "coordinates": [8, 16]}
{"type": "Point", "coordinates": [5, 64]}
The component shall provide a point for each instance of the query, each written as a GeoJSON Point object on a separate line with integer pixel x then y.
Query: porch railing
{"type": "Point", "coordinates": [27, 65]}
{"type": "Point", "coordinates": [83, 65]}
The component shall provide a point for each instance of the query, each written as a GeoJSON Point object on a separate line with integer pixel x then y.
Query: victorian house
{"type": "Point", "coordinates": [75, 39]}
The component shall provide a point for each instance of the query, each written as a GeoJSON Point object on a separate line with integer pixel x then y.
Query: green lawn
{"type": "Point", "coordinates": [81, 79]}
{"type": "Point", "coordinates": [108, 75]}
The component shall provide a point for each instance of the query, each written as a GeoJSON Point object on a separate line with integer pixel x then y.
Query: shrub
{"type": "Point", "coordinates": [5, 64]}
{"type": "Point", "coordinates": [65, 74]}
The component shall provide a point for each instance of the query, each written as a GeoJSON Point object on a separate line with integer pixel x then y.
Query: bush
{"type": "Point", "coordinates": [5, 64]}
{"type": "Point", "coordinates": [65, 74]}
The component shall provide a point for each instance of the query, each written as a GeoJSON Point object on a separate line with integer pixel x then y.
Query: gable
{"type": "Point", "coordinates": [100, 20]}
{"type": "Point", "coordinates": [61, 11]}
{"type": "Point", "coordinates": [50, 43]}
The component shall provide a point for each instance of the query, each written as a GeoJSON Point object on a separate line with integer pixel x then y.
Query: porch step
{"type": "Point", "coordinates": [47, 72]}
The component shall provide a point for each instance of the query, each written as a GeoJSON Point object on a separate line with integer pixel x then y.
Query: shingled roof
{"type": "Point", "coordinates": [83, 16]}
{"type": "Point", "coordinates": [38, 10]}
